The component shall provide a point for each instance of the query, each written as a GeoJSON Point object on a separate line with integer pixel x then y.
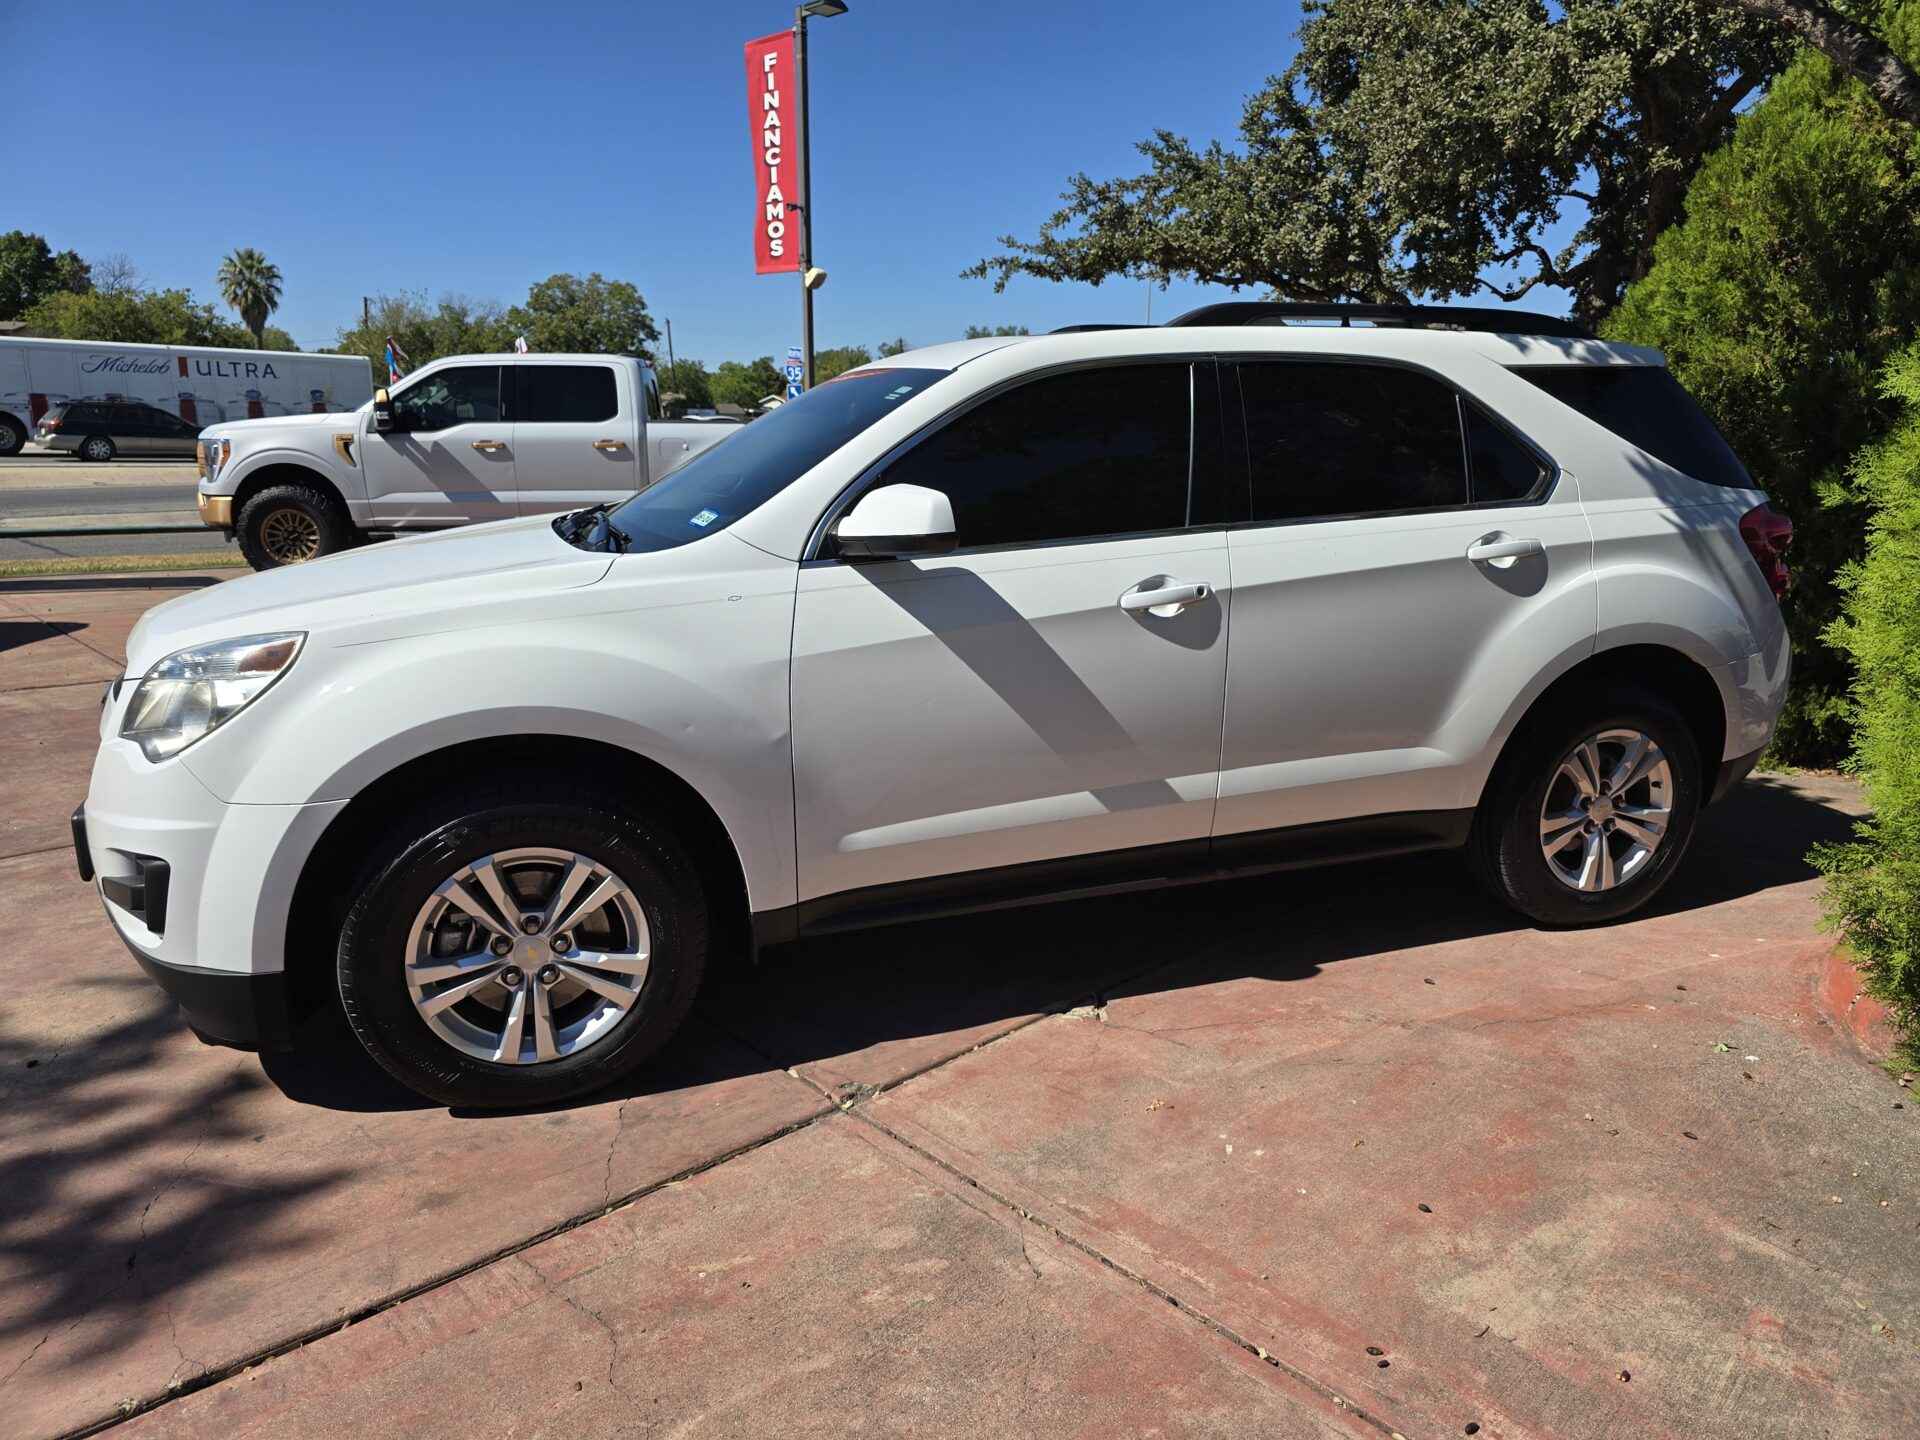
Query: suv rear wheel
{"type": "Point", "coordinates": [1589, 814]}
{"type": "Point", "coordinates": [289, 525]}
{"type": "Point", "coordinates": [521, 946]}
{"type": "Point", "coordinates": [97, 448]}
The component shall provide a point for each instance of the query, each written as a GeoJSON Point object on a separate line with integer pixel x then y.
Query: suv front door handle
{"type": "Point", "coordinates": [1492, 550]}
{"type": "Point", "coordinates": [487, 447]}
{"type": "Point", "coordinates": [1167, 598]}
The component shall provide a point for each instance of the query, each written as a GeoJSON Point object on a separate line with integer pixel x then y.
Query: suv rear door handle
{"type": "Point", "coordinates": [1492, 551]}
{"type": "Point", "coordinates": [1167, 599]}
{"type": "Point", "coordinates": [609, 444]}
{"type": "Point", "coordinates": [489, 446]}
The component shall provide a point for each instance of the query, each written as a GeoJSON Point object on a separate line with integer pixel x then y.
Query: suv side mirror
{"type": "Point", "coordinates": [382, 411]}
{"type": "Point", "coordinates": [895, 522]}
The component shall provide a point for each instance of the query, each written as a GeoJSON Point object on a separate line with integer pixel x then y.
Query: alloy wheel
{"type": "Point", "coordinates": [290, 536]}
{"type": "Point", "coordinates": [528, 956]}
{"type": "Point", "coordinates": [1607, 810]}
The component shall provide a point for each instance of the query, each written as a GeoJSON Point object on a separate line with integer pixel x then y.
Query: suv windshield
{"type": "Point", "coordinates": [745, 470]}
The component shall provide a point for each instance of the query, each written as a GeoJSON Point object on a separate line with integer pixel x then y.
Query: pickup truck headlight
{"type": "Point", "coordinates": [217, 452]}
{"type": "Point", "coordinates": [191, 693]}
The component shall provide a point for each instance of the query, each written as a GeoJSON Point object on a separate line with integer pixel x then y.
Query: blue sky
{"type": "Point", "coordinates": [476, 147]}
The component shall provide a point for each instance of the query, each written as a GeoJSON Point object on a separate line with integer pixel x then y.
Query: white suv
{"type": "Point", "coordinates": [999, 620]}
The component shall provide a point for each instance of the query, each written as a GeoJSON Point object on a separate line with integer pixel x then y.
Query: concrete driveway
{"type": "Point", "coordinates": [1345, 1152]}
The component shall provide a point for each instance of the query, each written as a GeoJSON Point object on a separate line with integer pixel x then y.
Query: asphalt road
{"type": "Point", "coordinates": [63, 492]}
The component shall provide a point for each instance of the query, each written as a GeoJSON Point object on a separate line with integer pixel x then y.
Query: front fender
{"type": "Point", "coordinates": [698, 688]}
{"type": "Point", "coordinates": [349, 482]}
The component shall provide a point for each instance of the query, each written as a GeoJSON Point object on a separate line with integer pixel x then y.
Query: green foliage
{"type": "Point", "coordinates": [452, 326]}
{"type": "Point", "coordinates": [1794, 276]}
{"type": "Point", "coordinates": [250, 283]}
{"type": "Point", "coordinates": [1873, 885]}
{"type": "Point", "coordinates": [746, 385]}
{"type": "Point", "coordinates": [689, 381]}
{"type": "Point", "coordinates": [1414, 144]}
{"type": "Point", "coordinates": [897, 346]}
{"type": "Point", "coordinates": [30, 271]}
{"type": "Point", "coordinates": [154, 317]}
{"type": "Point", "coordinates": [593, 315]}
{"type": "Point", "coordinates": [839, 360]}
{"type": "Point", "coordinates": [986, 332]}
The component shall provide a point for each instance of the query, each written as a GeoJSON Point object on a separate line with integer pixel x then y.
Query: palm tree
{"type": "Point", "coordinates": [250, 283]}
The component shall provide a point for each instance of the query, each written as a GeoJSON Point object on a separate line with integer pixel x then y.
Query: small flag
{"type": "Point", "coordinates": [519, 344]}
{"type": "Point", "coordinates": [397, 361]}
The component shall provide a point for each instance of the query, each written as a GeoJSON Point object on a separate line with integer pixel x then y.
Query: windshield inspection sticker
{"type": "Point", "coordinates": [705, 518]}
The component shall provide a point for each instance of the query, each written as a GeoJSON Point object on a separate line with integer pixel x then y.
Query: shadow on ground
{"type": "Point", "coordinates": [834, 996]}
{"type": "Point", "coordinates": [15, 633]}
{"type": "Point", "coordinates": [140, 580]}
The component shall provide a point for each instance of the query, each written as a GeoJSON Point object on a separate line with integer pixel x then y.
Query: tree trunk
{"type": "Point", "coordinates": [1853, 47]}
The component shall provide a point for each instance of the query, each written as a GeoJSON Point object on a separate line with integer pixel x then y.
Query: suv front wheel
{"type": "Point", "coordinates": [521, 946]}
{"type": "Point", "coordinates": [1588, 816]}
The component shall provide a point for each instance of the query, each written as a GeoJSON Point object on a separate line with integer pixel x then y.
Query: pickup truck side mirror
{"type": "Point", "coordinates": [382, 411]}
{"type": "Point", "coordinates": [895, 522]}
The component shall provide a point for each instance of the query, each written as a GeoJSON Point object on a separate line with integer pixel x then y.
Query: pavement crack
{"type": "Point", "coordinates": [1067, 1238]}
{"type": "Point", "coordinates": [613, 1144]}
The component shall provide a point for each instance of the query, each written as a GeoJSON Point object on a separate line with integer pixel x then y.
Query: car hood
{"type": "Point", "coordinates": [278, 422]}
{"type": "Point", "coordinates": [441, 581]}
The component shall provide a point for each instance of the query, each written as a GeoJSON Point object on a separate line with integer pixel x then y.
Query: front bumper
{"type": "Point", "coordinates": [247, 1012]}
{"type": "Point", "coordinates": [216, 511]}
{"type": "Point", "coordinates": [198, 890]}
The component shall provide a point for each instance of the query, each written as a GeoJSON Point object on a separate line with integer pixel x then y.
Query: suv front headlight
{"type": "Point", "coordinates": [193, 692]}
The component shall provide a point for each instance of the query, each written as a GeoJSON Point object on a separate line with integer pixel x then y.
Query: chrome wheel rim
{"type": "Point", "coordinates": [528, 956]}
{"type": "Point", "coordinates": [96, 450]}
{"type": "Point", "coordinates": [1607, 810]}
{"type": "Point", "coordinates": [290, 536]}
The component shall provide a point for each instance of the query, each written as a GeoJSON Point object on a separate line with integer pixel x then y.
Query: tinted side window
{"type": "Point", "coordinates": [1103, 451]}
{"type": "Point", "coordinates": [450, 397]}
{"type": "Point", "coordinates": [1503, 468]}
{"type": "Point", "coordinates": [558, 394]}
{"type": "Point", "coordinates": [1325, 440]}
{"type": "Point", "coordinates": [1645, 405]}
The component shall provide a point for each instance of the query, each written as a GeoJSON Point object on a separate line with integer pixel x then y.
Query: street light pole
{"type": "Point", "coordinates": [825, 9]}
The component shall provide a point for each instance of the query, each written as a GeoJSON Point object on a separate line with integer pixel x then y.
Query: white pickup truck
{"type": "Point", "coordinates": [464, 439]}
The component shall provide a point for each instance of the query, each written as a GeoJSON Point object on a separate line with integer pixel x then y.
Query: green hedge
{"type": "Point", "coordinates": [1778, 300]}
{"type": "Point", "coordinates": [1873, 884]}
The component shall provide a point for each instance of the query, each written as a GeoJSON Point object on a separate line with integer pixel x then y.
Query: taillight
{"type": "Point", "coordinates": [1768, 533]}
{"type": "Point", "coordinates": [52, 422]}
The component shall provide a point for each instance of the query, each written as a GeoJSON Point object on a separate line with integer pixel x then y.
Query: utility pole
{"type": "Point", "coordinates": [366, 313]}
{"type": "Point", "coordinates": [825, 9]}
{"type": "Point", "coordinates": [670, 364]}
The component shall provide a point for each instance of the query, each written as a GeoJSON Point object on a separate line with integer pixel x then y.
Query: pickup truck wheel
{"type": "Point", "coordinates": [1589, 814]}
{"type": "Point", "coordinates": [12, 435]}
{"type": "Point", "coordinates": [97, 448]}
{"type": "Point", "coordinates": [521, 945]}
{"type": "Point", "coordinates": [290, 525]}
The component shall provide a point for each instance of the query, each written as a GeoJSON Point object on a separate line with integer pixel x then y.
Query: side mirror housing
{"type": "Point", "coordinates": [896, 522]}
{"type": "Point", "coordinates": [382, 410]}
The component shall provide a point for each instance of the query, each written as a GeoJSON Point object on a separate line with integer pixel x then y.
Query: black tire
{"type": "Point", "coordinates": [13, 435]}
{"type": "Point", "coordinates": [291, 524]}
{"type": "Point", "coordinates": [97, 449]}
{"type": "Point", "coordinates": [435, 843]}
{"type": "Point", "coordinates": [1506, 845]}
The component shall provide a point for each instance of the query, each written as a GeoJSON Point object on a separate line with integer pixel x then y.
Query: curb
{"type": "Point", "coordinates": [1850, 1008]}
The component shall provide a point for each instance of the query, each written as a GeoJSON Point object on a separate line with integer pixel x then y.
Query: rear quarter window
{"type": "Point", "coordinates": [1645, 406]}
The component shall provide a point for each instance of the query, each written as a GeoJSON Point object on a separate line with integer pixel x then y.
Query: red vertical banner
{"type": "Point", "coordinates": [772, 114]}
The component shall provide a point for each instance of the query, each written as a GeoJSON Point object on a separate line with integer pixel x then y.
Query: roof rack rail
{"type": "Point", "coordinates": [1414, 317]}
{"type": "Point", "coordinates": [1084, 329]}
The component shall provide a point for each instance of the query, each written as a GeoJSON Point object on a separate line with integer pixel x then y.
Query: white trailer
{"type": "Point", "coordinates": [201, 384]}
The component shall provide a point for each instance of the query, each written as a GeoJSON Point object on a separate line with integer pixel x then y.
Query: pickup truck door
{"type": "Point", "coordinates": [449, 458]}
{"type": "Point", "coordinates": [574, 430]}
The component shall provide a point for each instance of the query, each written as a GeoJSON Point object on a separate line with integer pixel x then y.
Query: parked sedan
{"type": "Point", "coordinates": [101, 429]}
